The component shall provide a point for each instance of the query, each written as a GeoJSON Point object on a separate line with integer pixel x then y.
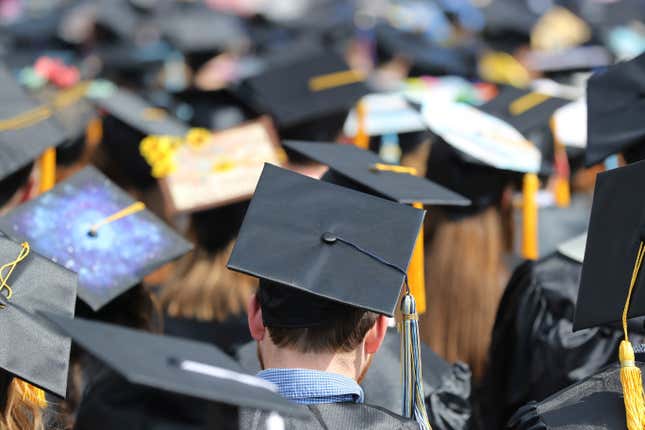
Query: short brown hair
{"type": "Point", "coordinates": [344, 334]}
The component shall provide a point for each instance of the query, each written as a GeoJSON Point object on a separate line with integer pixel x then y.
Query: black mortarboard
{"type": "Point", "coordinates": [322, 245]}
{"type": "Point", "coordinates": [195, 29]}
{"type": "Point", "coordinates": [524, 109]}
{"type": "Point", "coordinates": [172, 364]}
{"type": "Point", "coordinates": [130, 118]}
{"type": "Point", "coordinates": [308, 96]}
{"type": "Point", "coordinates": [26, 129]}
{"type": "Point", "coordinates": [91, 226]}
{"type": "Point", "coordinates": [581, 58]}
{"type": "Point", "coordinates": [615, 109]}
{"type": "Point", "coordinates": [425, 57]}
{"type": "Point", "coordinates": [358, 165]}
{"type": "Point", "coordinates": [31, 350]}
{"type": "Point", "coordinates": [616, 228]}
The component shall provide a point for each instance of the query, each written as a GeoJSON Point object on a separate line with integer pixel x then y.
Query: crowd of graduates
{"type": "Point", "coordinates": [322, 214]}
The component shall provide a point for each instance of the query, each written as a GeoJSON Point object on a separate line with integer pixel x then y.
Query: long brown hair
{"type": "Point", "coordinates": [23, 406]}
{"type": "Point", "coordinates": [203, 288]}
{"type": "Point", "coordinates": [465, 277]}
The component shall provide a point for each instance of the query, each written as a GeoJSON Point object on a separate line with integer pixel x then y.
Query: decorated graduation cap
{"type": "Point", "coordinates": [208, 170]}
{"type": "Point", "coordinates": [92, 227]}
{"type": "Point", "coordinates": [31, 349]}
{"type": "Point", "coordinates": [532, 114]}
{"type": "Point", "coordinates": [308, 95]}
{"type": "Point", "coordinates": [615, 108]}
{"type": "Point", "coordinates": [478, 155]}
{"type": "Point", "coordinates": [175, 365]}
{"type": "Point", "coordinates": [27, 129]}
{"type": "Point", "coordinates": [616, 240]}
{"type": "Point", "coordinates": [129, 119]}
{"type": "Point", "coordinates": [345, 250]}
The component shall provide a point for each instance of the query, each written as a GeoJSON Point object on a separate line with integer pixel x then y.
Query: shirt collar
{"type": "Point", "coordinates": [306, 386]}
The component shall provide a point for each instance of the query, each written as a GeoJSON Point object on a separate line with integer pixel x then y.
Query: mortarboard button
{"type": "Point", "coordinates": [329, 238]}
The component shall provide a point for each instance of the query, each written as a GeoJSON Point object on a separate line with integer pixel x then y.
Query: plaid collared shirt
{"type": "Point", "coordinates": [307, 387]}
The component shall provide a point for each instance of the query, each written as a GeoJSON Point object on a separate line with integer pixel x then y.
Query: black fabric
{"type": "Point", "coordinates": [447, 386]}
{"type": "Point", "coordinates": [155, 361]}
{"type": "Point", "coordinates": [358, 165]}
{"type": "Point", "coordinates": [595, 403]}
{"type": "Point", "coordinates": [110, 402]}
{"type": "Point", "coordinates": [30, 348]}
{"type": "Point", "coordinates": [617, 217]}
{"type": "Point", "coordinates": [533, 351]}
{"type": "Point", "coordinates": [21, 146]}
{"type": "Point", "coordinates": [335, 416]}
{"type": "Point", "coordinates": [326, 240]}
{"type": "Point", "coordinates": [482, 184]}
{"type": "Point", "coordinates": [615, 108]}
{"type": "Point", "coordinates": [227, 335]}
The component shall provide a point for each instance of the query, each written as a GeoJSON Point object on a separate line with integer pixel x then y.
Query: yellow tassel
{"type": "Point", "coordinates": [30, 393]}
{"type": "Point", "coordinates": [530, 217]}
{"type": "Point", "coordinates": [362, 139]}
{"type": "Point", "coordinates": [47, 164]}
{"type": "Point", "coordinates": [94, 132]}
{"type": "Point", "coordinates": [562, 192]}
{"type": "Point", "coordinates": [416, 271]}
{"type": "Point", "coordinates": [632, 382]}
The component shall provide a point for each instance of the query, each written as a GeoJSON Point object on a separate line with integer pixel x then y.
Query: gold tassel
{"type": "Point", "coordinates": [416, 271]}
{"type": "Point", "coordinates": [362, 139]}
{"type": "Point", "coordinates": [630, 375]}
{"type": "Point", "coordinates": [47, 165]}
{"type": "Point", "coordinates": [530, 217]}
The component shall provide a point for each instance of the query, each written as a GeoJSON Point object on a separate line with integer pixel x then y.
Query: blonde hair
{"type": "Point", "coordinates": [465, 277]}
{"type": "Point", "coordinates": [24, 407]}
{"type": "Point", "coordinates": [203, 288]}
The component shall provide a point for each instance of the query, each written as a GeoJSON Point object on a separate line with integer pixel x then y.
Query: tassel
{"type": "Point", "coordinates": [362, 139]}
{"type": "Point", "coordinates": [47, 164]}
{"type": "Point", "coordinates": [630, 375]}
{"type": "Point", "coordinates": [411, 368]}
{"type": "Point", "coordinates": [530, 217]}
{"type": "Point", "coordinates": [416, 271]}
{"type": "Point", "coordinates": [631, 380]}
{"type": "Point", "coordinates": [30, 393]}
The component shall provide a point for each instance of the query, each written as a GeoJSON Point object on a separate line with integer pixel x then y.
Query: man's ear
{"type": "Point", "coordinates": [375, 335]}
{"type": "Point", "coordinates": [254, 315]}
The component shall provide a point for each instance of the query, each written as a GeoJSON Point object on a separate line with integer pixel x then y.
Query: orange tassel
{"type": "Point", "coordinates": [47, 164]}
{"type": "Point", "coordinates": [530, 217]}
{"type": "Point", "coordinates": [416, 271]}
{"type": "Point", "coordinates": [362, 139]}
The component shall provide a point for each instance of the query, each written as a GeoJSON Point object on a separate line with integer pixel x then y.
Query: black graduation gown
{"type": "Point", "coordinates": [596, 403]}
{"type": "Point", "coordinates": [227, 335]}
{"type": "Point", "coordinates": [333, 416]}
{"type": "Point", "coordinates": [447, 387]}
{"type": "Point", "coordinates": [534, 352]}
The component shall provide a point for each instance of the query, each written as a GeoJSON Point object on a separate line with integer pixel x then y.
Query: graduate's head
{"type": "Point", "coordinates": [284, 320]}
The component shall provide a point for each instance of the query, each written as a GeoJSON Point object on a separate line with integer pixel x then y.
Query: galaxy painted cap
{"type": "Point", "coordinates": [172, 364]}
{"type": "Point", "coordinates": [29, 347]}
{"type": "Point", "coordinates": [90, 226]}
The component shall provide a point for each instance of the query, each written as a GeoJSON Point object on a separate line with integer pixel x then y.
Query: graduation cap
{"type": "Point", "coordinates": [130, 118]}
{"type": "Point", "coordinates": [222, 170]}
{"type": "Point", "coordinates": [308, 96]}
{"type": "Point", "coordinates": [90, 226]}
{"type": "Point", "coordinates": [425, 57]}
{"type": "Point", "coordinates": [616, 239]}
{"type": "Point", "coordinates": [176, 365]}
{"type": "Point", "coordinates": [581, 58]}
{"type": "Point", "coordinates": [27, 129]}
{"type": "Point", "coordinates": [32, 350]}
{"type": "Point", "coordinates": [343, 249]}
{"type": "Point", "coordinates": [615, 108]}
{"type": "Point", "coordinates": [362, 167]}
{"type": "Point", "coordinates": [478, 155]}
{"type": "Point", "coordinates": [196, 29]}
